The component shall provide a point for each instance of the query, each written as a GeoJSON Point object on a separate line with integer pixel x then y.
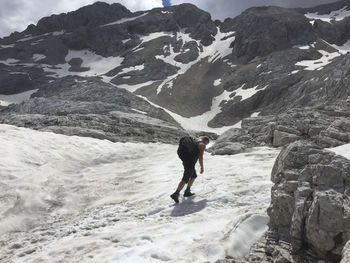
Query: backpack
{"type": "Point", "coordinates": [187, 146]}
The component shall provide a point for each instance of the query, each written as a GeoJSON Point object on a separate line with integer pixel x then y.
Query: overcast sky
{"type": "Point", "coordinates": [16, 15]}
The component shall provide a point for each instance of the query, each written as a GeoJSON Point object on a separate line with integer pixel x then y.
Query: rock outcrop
{"type": "Point", "coordinates": [262, 30]}
{"type": "Point", "coordinates": [326, 126]}
{"type": "Point", "coordinates": [90, 107]}
{"type": "Point", "coordinates": [310, 206]}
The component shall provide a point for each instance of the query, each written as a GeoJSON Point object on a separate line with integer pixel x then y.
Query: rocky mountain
{"type": "Point", "coordinates": [208, 74]}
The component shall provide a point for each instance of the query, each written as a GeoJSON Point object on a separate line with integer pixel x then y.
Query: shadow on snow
{"type": "Point", "coordinates": [188, 206]}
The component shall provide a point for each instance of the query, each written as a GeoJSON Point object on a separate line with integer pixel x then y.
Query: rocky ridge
{"type": "Point", "coordinates": [90, 107]}
{"type": "Point", "coordinates": [327, 126]}
{"type": "Point", "coordinates": [181, 60]}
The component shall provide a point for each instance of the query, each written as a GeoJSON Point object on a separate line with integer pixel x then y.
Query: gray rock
{"type": "Point", "coordinates": [90, 107]}
{"type": "Point", "coordinates": [326, 128]}
{"type": "Point", "coordinates": [282, 28]}
{"type": "Point", "coordinates": [228, 148]}
{"type": "Point", "coordinates": [310, 216]}
{"type": "Point", "coordinates": [281, 138]}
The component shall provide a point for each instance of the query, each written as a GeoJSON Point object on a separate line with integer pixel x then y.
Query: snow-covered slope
{"type": "Point", "coordinates": [72, 199]}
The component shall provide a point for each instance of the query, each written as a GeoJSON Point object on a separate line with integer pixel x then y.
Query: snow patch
{"type": "Point", "coordinates": [97, 64]}
{"type": "Point", "coordinates": [293, 72]}
{"type": "Point", "coordinates": [344, 49]}
{"type": "Point", "coordinates": [333, 16]}
{"type": "Point", "coordinates": [142, 112]}
{"type": "Point", "coordinates": [58, 33]}
{"type": "Point", "coordinates": [10, 62]}
{"type": "Point", "coordinates": [217, 82]}
{"type": "Point", "coordinates": [319, 63]}
{"type": "Point", "coordinates": [302, 47]}
{"type": "Point", "coordinates": [124, 20]}
{"type": "Point", "coordinates": [135, 87]}
{"type": "Point", "coordinates": [6, 100]}
{"type": "Point", "coordinates": [343, 150]}
{"type": "Point", "coordinates": [247, 93]}
{"type": "Point", "coordinates": [37, 57]}
{"type": "Point", "coordinates": [7, 46]}
{"type": "Point", "coordinates": [135, 68]}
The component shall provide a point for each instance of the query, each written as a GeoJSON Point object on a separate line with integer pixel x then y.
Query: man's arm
{"type": "Point", "coordinates": [201, 147]}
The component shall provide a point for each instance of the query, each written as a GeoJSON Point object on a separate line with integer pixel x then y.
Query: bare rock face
{"type": "Point", "coordinates": [92, 108]}
{"type": "Point", "coordinates": [88, 16]}
{"type": "Point", "coordinates": [310, 201]}
{"type": "Point", "coordinates": [327, 126]}
{"type": "Point", "coordinates": [262, 30]}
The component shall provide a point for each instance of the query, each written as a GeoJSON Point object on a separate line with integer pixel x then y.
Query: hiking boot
{"type": "Point", "coordinates": [188, 193]}
{"type": "Point", "coordinates": [175, 197]}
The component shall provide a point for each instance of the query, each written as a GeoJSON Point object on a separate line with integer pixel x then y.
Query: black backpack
{"type": "Point", "coordinates": [187, 146]}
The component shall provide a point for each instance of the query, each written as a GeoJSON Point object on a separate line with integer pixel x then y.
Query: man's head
{"type": "Point", "coordinates": [205, 140]}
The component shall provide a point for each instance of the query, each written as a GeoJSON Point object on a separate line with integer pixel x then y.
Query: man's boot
{"type": "Point", "coordinates": [175, 197]}
{"type": "Point", "coordinates": [188, 193]}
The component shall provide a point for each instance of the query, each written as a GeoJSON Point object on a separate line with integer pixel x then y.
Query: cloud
{"type": "Point", "coordinates": [16, 15]}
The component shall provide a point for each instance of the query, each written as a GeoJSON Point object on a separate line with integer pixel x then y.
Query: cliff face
{"type": "Point", "coordinates": [310, 206]}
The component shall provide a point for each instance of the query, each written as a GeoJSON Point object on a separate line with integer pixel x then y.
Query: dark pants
{"type": "Point", "coordinates": [189, 168]}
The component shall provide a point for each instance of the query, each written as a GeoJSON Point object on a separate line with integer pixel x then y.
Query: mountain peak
{"type": "Point", "coordinates": [88, 16]}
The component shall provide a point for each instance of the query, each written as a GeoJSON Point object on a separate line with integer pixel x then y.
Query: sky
{"type": "Point", "coordinates": [16, 15]}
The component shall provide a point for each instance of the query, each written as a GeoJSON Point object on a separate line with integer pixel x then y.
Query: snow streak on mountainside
{"type": "Point", "coordinates": [82, 199]}
{"type": "Point", "coordinates": [336, 15]}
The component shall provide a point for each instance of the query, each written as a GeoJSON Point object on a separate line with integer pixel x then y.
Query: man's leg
{"type": "Point", "coordinates": [186, 177]}
{"type": "Point", "coordinates": [190, 182]}
{"type": "Point", "coordinates": [181, 186]}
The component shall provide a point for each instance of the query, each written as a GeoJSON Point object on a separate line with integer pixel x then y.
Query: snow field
{"type": "Point", "coordinates": [333, 16]}
{"type": "Point", "coordinates": [86, 200]}
{"type": "Point", "coordinates": [97, 64]}
{"type": "Point", "coordinates": [6, 100]}
{"type": "Point", "coordinates": [319, 63]}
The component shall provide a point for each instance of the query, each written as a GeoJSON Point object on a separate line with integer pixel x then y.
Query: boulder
{"type": "Point", "coordinates": [228, 148]}
{"type": "Point", "coordinates": [281, 138]}
{"type": "Point", "coordinates": [309, 204]}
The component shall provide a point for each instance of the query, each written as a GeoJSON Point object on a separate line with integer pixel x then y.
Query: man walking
{"type": "Point", "coordinates": [189, 151]}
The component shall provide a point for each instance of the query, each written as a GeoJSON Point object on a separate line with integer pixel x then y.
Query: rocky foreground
{"type": "Point", "coordinates": [310, 208]}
